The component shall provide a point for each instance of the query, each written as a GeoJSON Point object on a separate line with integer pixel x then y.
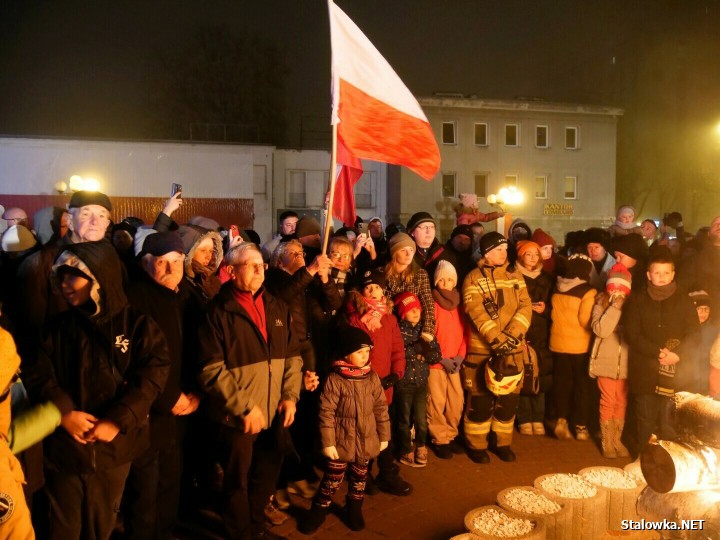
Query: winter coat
{"type": "Point", "coordinates": [417, 368]}
{"type": "Point", "coordinates": [239, 369]}
{"type": "Point", "coordinates": [599, 277]}
{"type": "Point", "coordinates": [112, 364]}
{"type": "Point", "coordinates": [428, 261]}
{"type": "Point", "coordinates": [451, 332]}
{"type": "Point", "coordinates": [204, 280]}
{"type": "Point", "coordinates": [609, 355]}
{"type": "Point", "coordinates": [506, 287]}
{"type": "Point", "coordinates": [648, 325]}
{"type": "Point", "coordinates": [420, 286]}
{"type": "Point", "coordinates": [354, 416]}
{"type": "Point", "coordinates": [693, 373]}
{"type": "Point", "coordinates": [540, 289]}
{"type": "Point", "coordinates": [571, 312]}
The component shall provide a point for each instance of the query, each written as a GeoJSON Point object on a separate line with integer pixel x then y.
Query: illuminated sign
{"type": "Point", "coordinates": [558, 209]}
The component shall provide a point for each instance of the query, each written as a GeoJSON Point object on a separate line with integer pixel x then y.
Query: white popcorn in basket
{"type": "Point", "coordinates": [529, 502]}
{"type": "Point", "coordinates": [611, 478]}
{"type": "Point", "coordinates": [492, 522]}
{"type": "Point", "coordinates": [569, 486]}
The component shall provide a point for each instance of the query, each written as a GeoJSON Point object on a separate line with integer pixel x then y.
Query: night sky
{"type": "Point", "coordinates": [91, 69]}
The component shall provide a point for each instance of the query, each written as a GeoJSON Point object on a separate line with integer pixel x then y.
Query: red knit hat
{"type": "Point", "coordinates": [541, 238]}
{"type": "Point", "coordinates": [405, 302]}
{"type": "Point", "coordinates": [619, 279]}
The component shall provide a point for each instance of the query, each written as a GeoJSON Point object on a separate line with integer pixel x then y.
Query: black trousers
{"type": "Point", "coordinates": [572, 388]}
{"type": "Point", "coordinates": [85, 505]}
{"type": "Point", "coordinates": [251, 464]}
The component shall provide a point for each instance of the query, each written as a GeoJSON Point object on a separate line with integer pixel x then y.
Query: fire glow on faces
{"type": "Point", "coordinates": [373, 292]}
{"type": "Point", "coordinates": [661, 273]}
{"type": "Point", "coordinates": [497, 256]}
{"type": "Point", "coordinates": [424, 234]}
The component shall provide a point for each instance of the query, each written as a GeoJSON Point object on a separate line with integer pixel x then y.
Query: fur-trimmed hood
{"type": "Point", "coordinates": [192, 236]}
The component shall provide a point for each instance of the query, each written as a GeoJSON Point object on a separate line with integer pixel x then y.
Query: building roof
{"type": "Point", "coordinates": [454, 101]}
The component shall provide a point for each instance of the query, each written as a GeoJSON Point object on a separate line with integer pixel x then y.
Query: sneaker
{"type": "Point", "coordinates": [282, 499]}
{"type": "Point", "coordinates": [303, 488]}
{"type": "Point", "coordinates": [581, 433]}
{"type": "Point", "coordinates": [273, 514]}
{"type": "Point", "coordinates": [538, 428]}
{"type": "Point", "coordinates": [457, 446]}
{"type": "Point", "coordinates": [561, 429]}
{"type": "Point", "coordinates": [408, 459]}
{"type": "Point", "coordinates": [525, 429]}
{"type": "Point", "coordinates": [421, 454]}
{"type": "Point", "coordinates": [505, 453]}
{"type": "Point", "coordinates": [443, 451]}
{"type": "Point", "coordinates": [478, 456]}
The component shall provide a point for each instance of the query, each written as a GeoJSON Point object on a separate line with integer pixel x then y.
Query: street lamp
{"type": "Point", "coordinates": [506, 196]}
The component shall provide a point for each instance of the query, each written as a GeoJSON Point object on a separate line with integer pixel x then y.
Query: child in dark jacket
{"type": "Point", "coordinates": [354, 427]}
{"type": "Point", "coordinates": [412, 390]}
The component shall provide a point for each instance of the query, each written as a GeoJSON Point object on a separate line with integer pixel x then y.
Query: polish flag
{"type": "Point", "coordinates": [377, 117]}
{"type": "Point", "coordinates": [349, 171]}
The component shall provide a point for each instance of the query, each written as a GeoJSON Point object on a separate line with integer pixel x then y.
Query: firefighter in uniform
{"type": "Point", "coordinates": [499, 307]}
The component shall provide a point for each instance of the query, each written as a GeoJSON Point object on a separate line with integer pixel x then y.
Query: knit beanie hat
{"type": "Point", "coordinates": [594, 235]}
{"type": "Point", "coordinates": [418, 218]}
{"type": "Point", "coordinates": [376, 277]}
{"type": "Point", "coordinates": [633, 245]}
{"type": "Point", "coordinates": [17, 238]}
{"type": "Point", "coordinates": [700, 298]}
{"type": "Point", "coordinates": [626, 209]}
{"type": "Point", "coordinates": [490, 241]}
{"type": "Point", "coordinates": [462, 229]}
{"type": "Point", "coordinates": [307, 226]}
{"type": "Point", "coordinates": [350, 339]}
{"type": "Point", "coordinates": [406, 301]}
{"type": "Point", "coordinates": [162, 243]}
{"type": "Point", "coordinates": [399, 241]}
{"type": "Point", "coordinates": [85, 198]}
{"type": "Point", "coordinates": [524, 245]}
{"type": "Point", "coordinates": [619, 279]}
{"type": "Point", "coordinates": [578, 266]}
{"type": "Point", "coordinates": [541, 238]}
{"type": "Point", "coordinates": [445, 269]}
{"type": "Point", "coordinates": [9, 359]}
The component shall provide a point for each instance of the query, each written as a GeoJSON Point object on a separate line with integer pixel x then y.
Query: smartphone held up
{"type": "Point", "coordinates": [176, 188]}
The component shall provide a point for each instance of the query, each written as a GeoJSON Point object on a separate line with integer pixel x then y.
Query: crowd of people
{"type": "Point", "coordinates": [170, 366]}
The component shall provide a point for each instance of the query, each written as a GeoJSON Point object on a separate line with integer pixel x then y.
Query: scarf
{"type": "Point", "coordinates": [661, 293]}
{"type": "Point", "coordinates": [447, 300]}
{"type": "Point", "coordinates": [206, 280]}
{"type": "Point", "coordinates": [529, 273]}
{"type": "Point", "coordinates": [565, 284]}
{"type": "Point", "coordinates": [625, 226]}
{"type": "Point", "coordinates": [339, 277]}
{"type": "Point", "coordinates": [376, 310]}
{"type": "Point", "coordinates": [349, 371]}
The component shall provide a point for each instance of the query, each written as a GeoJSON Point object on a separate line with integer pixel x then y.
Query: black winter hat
{"type": "Point", "coordinates": [350, 339]}
{"type": "Point", "coordinates": [375, 276]}
{"type": "Point", "coordinates": [162, 243]}
{"type": "Point", "coordinates": [84, 198]}
{"type": "Point", "coordinates": [594, 235]}
{"type": "Point", "coordinates": [490, 241]}
{"type": "Point", "coordinates": [462, 229]}
{"type": "Point", "coordinates": [578, 266]}
{"type": "Point", "coordinates": [418, 218]}
{"type": "Point", "coordinates": [633, 245]}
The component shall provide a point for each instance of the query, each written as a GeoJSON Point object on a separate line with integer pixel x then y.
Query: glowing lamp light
{"type": "Point", "coordinates": [511, 196]}
{"type": "Point", "coordinates": [78, 183]}
{"type": "Point", "coordinates": [91, 184]}
{"type": "Point", "coordinates": [75, 182]}
{"type": "Point", "coordinates": [61, 187]}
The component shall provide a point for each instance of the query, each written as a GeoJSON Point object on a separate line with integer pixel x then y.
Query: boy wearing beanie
{"type": "Point", "coordinates": [499, 307]}
{"type": "Point", "coordinates": [569, 341]}
{"type": "Point", "coordinates": [354, 428]}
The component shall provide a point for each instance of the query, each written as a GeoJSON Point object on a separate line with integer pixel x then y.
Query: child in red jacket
{"type": "Point", "coordinates": [445, 401]}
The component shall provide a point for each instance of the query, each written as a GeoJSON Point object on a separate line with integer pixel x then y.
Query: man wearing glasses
{"type": "Point", "coordinates": [251, 371]}
{"type": "Point", "coordinates": [429, 249]}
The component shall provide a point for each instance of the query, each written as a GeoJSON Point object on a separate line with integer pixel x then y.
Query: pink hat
{"type": "Point", "coordinates": [619, 279]}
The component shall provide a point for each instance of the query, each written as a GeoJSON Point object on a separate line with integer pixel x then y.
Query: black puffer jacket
{"type": "Point", "coordinates": [112, 363]}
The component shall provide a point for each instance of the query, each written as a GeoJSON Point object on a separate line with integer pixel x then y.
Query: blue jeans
{"type": "Point", "coordinates": [531, 409]}
{"type": "Point", "coordinates": [654, 415]}
{"type": "Point", "coordinates": [411, 404]}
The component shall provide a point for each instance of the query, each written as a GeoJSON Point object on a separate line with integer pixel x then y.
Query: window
{"type": "Point", "coordinates": [542, 136]}
{"type": "Point", "coordinates": [512, 135]}
{"type": "Point", "coordinates": [571, 138]}
{"type": "Point", "coordinates": [541, 187]}
{"type": "Point", "coordinates": [481, 134]}
{"type": "Point", "coordinates": [481, 182]}
{"type": "Point", "coordinates": [448, 184]}
{"type": "Point", "coordinates": [296, 189]}
{"type": "Point", "coordinates": [511, 180]}
{"type": "Point", "coordinates": [365, 190]}
{"type": "Point", "coordinates": [570, 191]}
{"type": "Point", "coordinates": [448, 133]}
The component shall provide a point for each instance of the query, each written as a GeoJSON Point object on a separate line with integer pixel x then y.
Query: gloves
{"type": "Point", "coordinates": [383, 445]}
{"type": "Point", "coordinates": [389, 380]}
{"type": "Point", "coordinates": [331, 453]}
{"type": "Point", "coordinates": [505, 344]}
{"type": "Point", "coordinates": [451, 365]}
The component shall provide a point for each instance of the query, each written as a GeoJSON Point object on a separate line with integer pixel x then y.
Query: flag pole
{"type": "Point", "coordinates": [331, 190]}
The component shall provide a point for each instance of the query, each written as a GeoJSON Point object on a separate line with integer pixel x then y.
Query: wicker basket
{"type": "Point", "coordinates": [464, 536]}
{"type": "Point", "coordinates": [622, 503]}
{"type": "Point", "coordinates": [589, 515]}
{"type": "Point", "coordinates": [558, 526]}
{"type": "Point", "coordinates": [538, 532]}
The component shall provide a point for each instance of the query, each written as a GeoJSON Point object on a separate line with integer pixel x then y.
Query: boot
{"type": "Point", "coordinates": [619, 425]}
{"type": "Point", "coordinates": [313, 519]}
{"type": "Point", "coordinates": [607, 429]}
{"type": "Point", "coordinates": [355, 520]}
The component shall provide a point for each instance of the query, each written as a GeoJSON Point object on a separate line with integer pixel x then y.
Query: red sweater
{"type": "Point", "coordinates": [450, 333]}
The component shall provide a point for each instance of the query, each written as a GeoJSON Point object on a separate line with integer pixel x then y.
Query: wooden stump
{"type": "Point", "coordinates": [538, 532]}
{"type": "Point", "coordinates": [558, 526]}
{"type": "Point", "coordinates": [589, 515]}
{"type": "Point", "coordinates": [622, 502]}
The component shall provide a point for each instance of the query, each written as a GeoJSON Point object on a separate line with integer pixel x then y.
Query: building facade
{"type": "Point", "coordinates": [562, 158]}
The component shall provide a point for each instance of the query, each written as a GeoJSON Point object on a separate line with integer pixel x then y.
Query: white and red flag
{"type": "Point", "coordinates": [376, 116]}
{"type": "Point", "coordinates": [349, 171]}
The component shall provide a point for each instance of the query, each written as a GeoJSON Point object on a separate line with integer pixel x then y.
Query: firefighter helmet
{"type": "Point", "coordinates": [499, 382]}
